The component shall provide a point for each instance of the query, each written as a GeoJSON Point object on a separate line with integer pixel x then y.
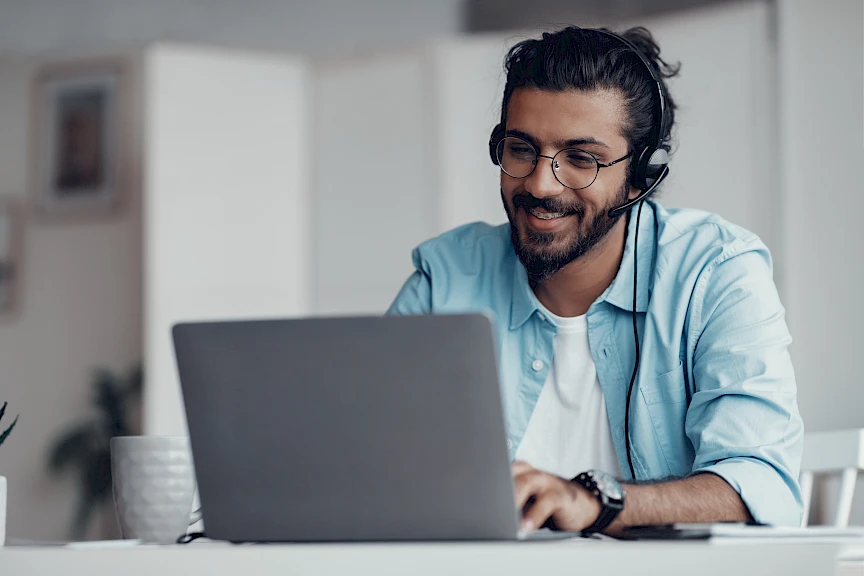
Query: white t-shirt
{"type": "Point", "coordinates": [569, 429]}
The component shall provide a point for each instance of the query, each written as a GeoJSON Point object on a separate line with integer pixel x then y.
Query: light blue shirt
{"type": "Point", "coordinates": [715, 390]}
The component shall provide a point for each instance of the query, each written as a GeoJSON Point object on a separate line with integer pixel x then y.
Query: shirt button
{"type": "Point", "coordinates": [537, 365]}
{"type": "Point", "coordinates": [509, 445]}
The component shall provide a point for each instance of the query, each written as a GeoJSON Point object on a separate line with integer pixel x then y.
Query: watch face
{"type": "Point", "coordinates": [607, 485]}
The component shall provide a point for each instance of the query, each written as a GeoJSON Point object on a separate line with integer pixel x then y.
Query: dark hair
{"type": "Point", "coordinates": [584, 59]}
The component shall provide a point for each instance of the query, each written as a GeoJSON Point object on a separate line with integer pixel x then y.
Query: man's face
{"type": "Point", "coordinates": [552, 121]}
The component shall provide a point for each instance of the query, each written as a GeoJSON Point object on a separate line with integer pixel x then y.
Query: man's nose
{"type": "Point", "coordinates": [542, 182]}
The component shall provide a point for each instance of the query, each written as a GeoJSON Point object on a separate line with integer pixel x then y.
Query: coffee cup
{"type": "Point", "coordinates": [154, 487]}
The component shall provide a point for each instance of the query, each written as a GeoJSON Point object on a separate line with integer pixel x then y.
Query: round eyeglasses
{"type": "Point", "coordinates": [574, 168]}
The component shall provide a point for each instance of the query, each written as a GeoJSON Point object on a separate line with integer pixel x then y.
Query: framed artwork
{"type": "Point", "coordinates": [10, 256]}
{"type": "Point", "coordinates": [78, 137]}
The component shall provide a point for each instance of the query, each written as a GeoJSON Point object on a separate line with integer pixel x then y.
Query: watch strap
{"type": "Point", "coordinates": [607, 513]}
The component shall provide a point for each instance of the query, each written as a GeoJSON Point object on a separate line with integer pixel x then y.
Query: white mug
{"type": "Point", "coordinates": [154, 486]}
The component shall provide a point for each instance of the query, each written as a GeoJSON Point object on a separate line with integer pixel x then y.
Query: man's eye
{"type": "Point", "coordinates": [521, 152]}
{"type": "Point", "coordinates": [580, 160]}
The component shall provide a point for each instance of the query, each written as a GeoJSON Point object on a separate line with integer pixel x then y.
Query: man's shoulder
{"type": "Point", "coordinates": [702, 257]}
{"type": "Point", "coordinates": [699, 232]}
{"type": "Point", "coordinates": [468, 268]}
{"type": "Point", "coordinates": [467, 247]}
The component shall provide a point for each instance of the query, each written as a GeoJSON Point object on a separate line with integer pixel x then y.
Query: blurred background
{"type": "Point", "coordinates": [165, 160]}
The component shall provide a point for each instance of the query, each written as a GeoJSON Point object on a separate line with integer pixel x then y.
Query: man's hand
{"type": "Point", "coordinates": [566, 505]}
{"type": "Point", "coordinates": [542, 496]}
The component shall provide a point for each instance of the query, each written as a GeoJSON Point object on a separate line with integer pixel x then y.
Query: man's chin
{"type": "Point", "coordinates": [548, 249]}
{"type": "Point", "coordinates": [545, 244]}
{"type": "Point", "coordinates": [530, 255]}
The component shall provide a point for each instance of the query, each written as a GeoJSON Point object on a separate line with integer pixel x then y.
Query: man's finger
{"type": "Point", "coordinates": [529, 484]}
{"type": "Point", "coordinates": [520, 467]}
{"type": "Point", "coordinates": [547, 503]}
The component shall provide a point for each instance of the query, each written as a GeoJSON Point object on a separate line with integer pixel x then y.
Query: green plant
{"type": "Point", "coordinates": [5, 433]}
{"type": "Point", "coordinates": [86, 447]}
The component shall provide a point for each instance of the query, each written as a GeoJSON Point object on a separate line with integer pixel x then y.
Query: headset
{"type": "Point", "coordinates": [647, 172]}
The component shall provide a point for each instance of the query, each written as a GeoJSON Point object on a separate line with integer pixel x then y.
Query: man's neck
{"type": "Point", "coordinates": [572, 290]}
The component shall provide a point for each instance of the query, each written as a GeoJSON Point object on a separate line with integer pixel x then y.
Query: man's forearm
{"type": "Point", "coordinates": [701, 498]}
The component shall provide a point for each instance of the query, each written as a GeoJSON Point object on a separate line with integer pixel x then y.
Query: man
{"type": "Point", "coordinates": [706, 428]}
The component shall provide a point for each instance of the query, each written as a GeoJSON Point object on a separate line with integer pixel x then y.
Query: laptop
{"type": "Point", "coordinates": [348, 429]}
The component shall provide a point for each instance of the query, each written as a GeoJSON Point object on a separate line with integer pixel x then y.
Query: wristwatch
{"type": "Point", "coordinates": [608, 492]}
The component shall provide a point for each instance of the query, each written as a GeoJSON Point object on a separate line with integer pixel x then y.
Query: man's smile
{"type": "Point", "coordinates": [541, 220]}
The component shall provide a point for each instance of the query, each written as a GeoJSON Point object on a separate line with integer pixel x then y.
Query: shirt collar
{"type": "Point", "coordinates": [620, 293]}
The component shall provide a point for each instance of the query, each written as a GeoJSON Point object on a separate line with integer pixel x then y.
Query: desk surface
{"type": "Point", "coordinates": [500, 559]}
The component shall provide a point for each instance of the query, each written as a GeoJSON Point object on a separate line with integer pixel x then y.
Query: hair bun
{"type": "Point", "coordinates": [644, 41]}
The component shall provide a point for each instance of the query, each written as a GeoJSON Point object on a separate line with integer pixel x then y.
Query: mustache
{"type": "Point", "coordinates": [526, 200]}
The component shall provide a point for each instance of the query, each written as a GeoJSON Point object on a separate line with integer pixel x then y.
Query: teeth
{"type": "Point", "coordinates": [546, 215]}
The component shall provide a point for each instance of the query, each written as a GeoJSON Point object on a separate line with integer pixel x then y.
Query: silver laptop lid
{"type": "Point", "coordinates": [340, 429]}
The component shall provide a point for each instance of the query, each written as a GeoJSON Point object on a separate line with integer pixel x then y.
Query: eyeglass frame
{"type": "Point", "coordinates": [537, 154]}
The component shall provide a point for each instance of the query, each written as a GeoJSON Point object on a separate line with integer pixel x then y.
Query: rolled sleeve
{"type": "Point", "coordinates": [743, 419]}
{"type": "Point", "coordinates": [765, 490]}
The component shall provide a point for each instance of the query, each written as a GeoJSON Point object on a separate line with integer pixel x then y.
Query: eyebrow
{"type": "Point", "coordinates": [561, 143]}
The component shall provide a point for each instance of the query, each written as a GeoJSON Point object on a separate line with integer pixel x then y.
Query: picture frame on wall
{"type": "Point", "coordinates": [79, 137]}
{"type": "Point", "coordinates": [10, 256]}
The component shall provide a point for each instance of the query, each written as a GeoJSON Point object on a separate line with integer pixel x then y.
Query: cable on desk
{"type": "Point", "coordinates": [190, 537]}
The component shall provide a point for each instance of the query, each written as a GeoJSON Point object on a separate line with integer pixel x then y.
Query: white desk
{"type": "Point", "coordinates": [470, 559]}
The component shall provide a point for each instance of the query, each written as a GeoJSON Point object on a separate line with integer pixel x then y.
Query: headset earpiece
{"type": "Point", "coordinates": [494, 139]}
{"type": "Point", "coordinates": [648, 166]}
{"type": "Point", "coordinates": [657, 163]}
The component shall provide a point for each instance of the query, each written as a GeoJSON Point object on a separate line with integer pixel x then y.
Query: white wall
{"type": "Point", "coordinates": [375, 177]}
{"type": "Point", "coordinates": [725, 158]}
{"type": "Point", "coordinates": [80, 308]}
{"type": "Point", "coordinates": [469, 86]}
{"type": "Point", "coordinates": [821, 53]}
{"type": "Point", "coordinates": [227, 202]}
{"type": "Point", "coordinates": [319, 27]}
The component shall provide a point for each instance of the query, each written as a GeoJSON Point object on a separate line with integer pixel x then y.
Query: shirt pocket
{"type": "Point", "coordinates": [666, 399]}
{"type": "Point", "coordinates": [667, 388]}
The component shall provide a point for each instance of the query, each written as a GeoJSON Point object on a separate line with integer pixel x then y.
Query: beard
{"type": "Point", "coordinates": [545, 253]}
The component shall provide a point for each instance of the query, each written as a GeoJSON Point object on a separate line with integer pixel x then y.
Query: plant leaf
{"type": "Point", "coordinates": [3, 410]}
{"type": "Point", "coordinates": [96, 476]}
{"type": "Point", "coordinates": [8, 431]}
{"type": "Point", "coordinates": [73, 446]}
{"type": "Point", "coordinates": [135, 380]}
{"type": "Point", "coordinates": [81, 521]}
